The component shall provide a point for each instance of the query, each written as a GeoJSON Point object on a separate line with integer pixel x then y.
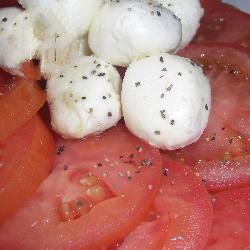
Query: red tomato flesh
{"type": "Point", "coordinates": [182, 214]}
{"type": "Point", "coordinates": [26, 160]}
{"type": "Point", "coordinates": [19, 105]}
{"type": "Point", "coordinates": [224, 23]}
{"type": "Point", "coordinates": [231, 223]}
{"type": "Point", "coordinates": [100, 189]}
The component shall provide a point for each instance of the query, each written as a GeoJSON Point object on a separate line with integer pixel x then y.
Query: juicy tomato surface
{"type": "Point", "coordinates": [181, 217]}
{"type": "Point", "coordinates": [18, 105]}
{"type": "Point", "coordinates": [100, 189]}
{"type": "Point", "coordinates": [231, 223]}
{"type": "Point", "coordinates": [221, 156]}
{"type": "Point", "coordinates": [31, 70]}
{"type": "Point", "coordinates": [26, 160]}
{"type": "Point", "coordinates": [224, 23]}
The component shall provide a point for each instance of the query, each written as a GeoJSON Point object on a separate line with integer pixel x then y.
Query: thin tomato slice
{"type": "Point", "coordinates": [19, 105]}
{"type": "Point", "coordinates": [231, 221]}
{"type": "Point", "coordinates": [101, 188]}
{"type": "Point", "coordinates": [182, 214]}
{"type": "Point", "coordinates": [26, 160]}
{"type": "Point", "coordinates": [224, 23]}
{"type": "Point", "coordinates": [224, 145]}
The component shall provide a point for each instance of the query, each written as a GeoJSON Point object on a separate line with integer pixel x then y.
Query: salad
{"type": "Point", "coordinates": [93, 180]}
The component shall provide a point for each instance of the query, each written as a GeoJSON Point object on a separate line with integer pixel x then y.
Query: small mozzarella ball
{"type": "Point", "coordinates": [136, 29]}
{"type": "Point", "coordinates": [74, 15]}
{"type": "Point", "coordinates": [166, 100]}
{"type": "Point", "coordinates": [84, 97]}
{"type": "Point", "coordinates": [17, 40]}
{"type": "Point", "coordinates": [190, 12]}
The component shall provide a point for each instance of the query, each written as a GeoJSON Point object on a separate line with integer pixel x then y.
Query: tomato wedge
{"type": "Point", "coordinates": [101, 188]}
{"type": "Point", "coordinates": [231, 222]}
{"type": "Point", "coordinates": [221, 156]}
{"type": "Point", "coordinates": [224, 23]}
{"type": "Point", "coordinates": [182, 214]}
{"type": "Point", "coordinates": [19, 105]}
{"type": "Point", "coordinates": [26, 160]}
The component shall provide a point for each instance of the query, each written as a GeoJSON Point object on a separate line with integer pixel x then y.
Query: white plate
{"type": "Point", "coordinates": [244, 5]}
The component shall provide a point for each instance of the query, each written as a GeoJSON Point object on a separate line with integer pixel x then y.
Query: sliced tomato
{"type": "Point", "coordinates": [9, 3]}
{"type": "Point", "coordinates": [25, 161]}
{"type": "Point", "coordinates": [224, 144]}
{"type": "Point", "coordinates": [19, 105]}
{"type": "Point", "coordinates": [31, 70]}
{"type": "Point", "coordinates": [231, 221]}
{"type": "Point", "coordinates": [224, 23]}
{"type": "Point", "coordinates": [182, 214]}
{"type": "Point", "coordinates": [100, 189]}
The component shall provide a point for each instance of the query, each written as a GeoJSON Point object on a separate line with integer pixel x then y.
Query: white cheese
{"type": "Point", "coordinates": [84, 97]}
{"type": "Point", "coordinates": [190, 12]}
{"type": "Point", "coordinates": [126, 29]}
{"type": "Point", "coordinates": [17, 40]}
{"type": "Point", "coordinates": [166, 100]}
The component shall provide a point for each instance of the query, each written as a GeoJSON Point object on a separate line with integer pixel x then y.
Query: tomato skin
{"type": "Point", "coordinates": [231, 222]}
{"type": "Point", "coordinates": [26, 160]}
{"type": "Point", "coordinates": [125, 165]}
{"type": "Point", "coordinates": [19, 105]}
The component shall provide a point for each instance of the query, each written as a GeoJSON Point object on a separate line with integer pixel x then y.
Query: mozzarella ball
{"type": "Point", "coordinates": [74, 15]}
{"type": "Point", "coordinates": [84, 97]}
{"type": "Point", "coordinates": [17, 40]}
{"type": "Point", "coordinates": [190, 12]}
{"type": "Point", "coordinates": [126, 29]}
{"type": "Point", "coordinates": [166, 100]}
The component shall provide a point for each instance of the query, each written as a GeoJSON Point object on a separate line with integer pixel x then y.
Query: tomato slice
{"type": "Point", "coordinates": [101, 188]}
{"type": "Point", "coordinates": [220, 156]}
{"type": "Point", "coordinates": [26, 160]}
{"type": "Point", "coordinates": [9, 3]}
{"type": "Point", "coordinates": [31, 70]}
{"type": "Point", "coordinates": [19, 105]}
{"type": "Point", "coordinates": [226, 24]}
{"type": "Point", "coordinates": [231, 222]}
{"type": "Point", "coordinates": [182, 214]}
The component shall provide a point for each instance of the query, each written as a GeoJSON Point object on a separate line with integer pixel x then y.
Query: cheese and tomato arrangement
{"type": "Point", "coordinates": [124, 124]}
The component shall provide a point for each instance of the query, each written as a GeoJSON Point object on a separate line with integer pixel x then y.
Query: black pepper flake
{"type": "Point", "coordinates": [172, 122]}
{"type": "Point", "coordinates": [75, 66]}
{"type": "Point", "coordinates": [137, 84]}
{"type": "Point", "coordinates": [65, 167]}
{"type": "Point", "coordinates": [93, 72]}
{"type": "Point", "coordinates": [161, 59]}
{"type": "Point", "coordinates": [60, 150]}
{"type": "Point", "coordinates": [179, 74]}
{"type": "Point", "coordinates": [91, 110]}
{"type": "Point", "coordinates": [71, 82]}
{"type": "Point", "coordinates": [101, 74]}
{"type": "Point", "coordinates": [213, 138]}
{"type": "Point", "coordinates": [110, 114]}
{"type": "Point", "coordinates": [192, 63]}
{"type": "Point", "coordinates": [161, 76]}
{"type": "Point", "coordinates": [83, 97]}
{"type": "Point", "coordinates": [163, 114]}
{"type": "Point", "coordinates": [152, 13]}
{"type": "Point", "coordinates": [4, 19]}
{"type": "Point", "coordinates": [131, 156]}
{"type": "Point", "coordinates": [84, 77]}
{"type": "Point", "coordinates": [164, 69]}
{"type": "Point", "coordinates": [42, 83]}
{"type": "Point", "coordinates": [104, 97]}
{"type": "Point", "coordinates": [162, 95]}
{"type": "Point", "coordinates": [146, 163]}
{"type": "Point", "coordinates": [206, 107]}
{"type": "Point", "coordinates": [14, 24]}
{"type": "Point", "coordinates": [170, 87]}
{"type": "Point", "coordinates": [158, 13]}
{"type": "Point", "coordinates": [165, 172]}
{"type": "Point", "coordinates": [129, 9]}
{"type": "Point", "coordinates": [157, 132]}
{"type": "Point", "coordinates": [61, 75]}
{"type": "Point", "coordinates": [26, 18]}
{"type": "Point", "coordinates": [230, 141]}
